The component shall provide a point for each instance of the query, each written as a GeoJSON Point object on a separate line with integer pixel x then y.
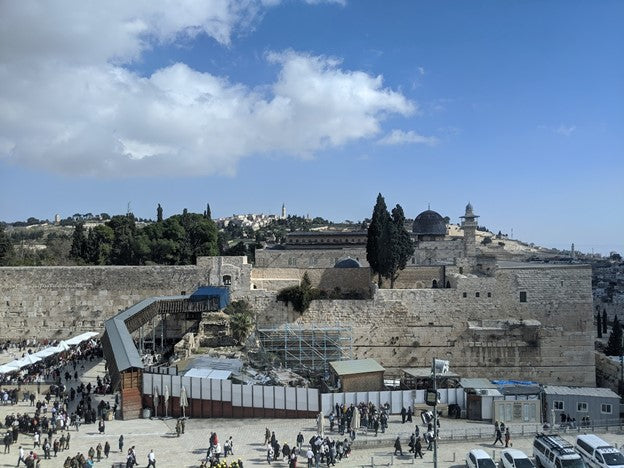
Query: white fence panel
{"type": "Point", "coordinates": [226, 390]}
{"type": "Point", "coordinates": [205, 389]}
{"type": "Point", "coordinates": [291, 398]}
{"type": "Point", "coordinates": [280, 397]}
{"type": "Point", "coordinates": [176, 385]}
{"type": "Point", "coordinates": [258, 398]}
{"type": "Point", "coordinates": [384, 397]}
{"type": "Point", "coordinates": [373, 397]}
{"type": "Point", "coordinates": [248, 396]}
{"type": "Point", "coordinates": [361, 397]}
{"type": "Point", "coordinates": [349, 399]}
{"type": "Point", "coordinates": [215, 387]}
{"type": "Point", "coordinates": [313, 400]}
{"type": "Point", "coordinates": [186, 383]}
{"type": "Point", "coordinates": [408, 398]}
{"type": "Point", "coordinates": [195, 388]}
{"type": "Point", "coordinates": [237, 395]}
{"type": "Point", "coordinates": [396, 402]}
{"type": "Point", "coordinates": [268, 397]}
{"type": "Point", "coordinates": [147, 384]}
{"type": "Point", "coordinates": [419, 397]}
{"type": "Point", "coordinates": [302, 399]}
{"type": "Point", "coordinates": [327, 403]}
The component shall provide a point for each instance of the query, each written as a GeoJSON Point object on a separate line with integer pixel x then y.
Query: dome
{"type": "Point", "coordinates": [429, 223]}
{"type": "Point", "coordinates": [347, 263]}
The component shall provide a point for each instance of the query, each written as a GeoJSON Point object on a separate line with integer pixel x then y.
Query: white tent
{"type": "Point", "coordinates": [63, 346]}
{"type": "Point", "coordinates": [6, 369]}
{"type": "Point", "coordinates": [27, 360]}
{"type": "Point", "coordinates": [80, 338]}
{"type": "Point", "coordinates": [47, 352]}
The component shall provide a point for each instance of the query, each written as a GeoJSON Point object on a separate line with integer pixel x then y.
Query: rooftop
{"type": "Point", "coordinates": [580, 391]}
{"type": "Point", "coordinates": [356, 366]}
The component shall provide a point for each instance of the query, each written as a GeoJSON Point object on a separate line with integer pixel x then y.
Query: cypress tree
{"type": "Point", "coordinates": [79, 243]}
{"type": "Point", "coordinates": [614, 345]}
{"type": "Point", "coordinates": [208, 213]}
{"type": "Point", "coordinates": [159, 213]}
{"type": "Point", "coordinates": [6, 247]}
{"type": "Point", "coordinates": [604, 320]}
{"type": "Point", "coordinates": [377, 230]}
{"type": "Point", "coordinates": [401, 245]}
{"type": "Point", "coordinates": [599, 321]}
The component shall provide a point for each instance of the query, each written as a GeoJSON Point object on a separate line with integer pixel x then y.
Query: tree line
{"type": "Point", "coordinates": [177, 240]}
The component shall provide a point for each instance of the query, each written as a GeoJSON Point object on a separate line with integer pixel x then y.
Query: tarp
{"type": "Point", "coordinates": [205, 292]}
{"type": "Point", "coordinates": [47, 352]}
{"type": "Point", "coordinates": [6, 369]}
{"type": "Point", "coordinates": [514, 382]}
{"type": "Point", "coordinates": [205, 373]}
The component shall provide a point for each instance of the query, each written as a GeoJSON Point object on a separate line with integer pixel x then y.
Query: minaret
{"type": "Point", "coordinates": [469, 225]}
{"type": "Point", "coordinates": [283, 211]}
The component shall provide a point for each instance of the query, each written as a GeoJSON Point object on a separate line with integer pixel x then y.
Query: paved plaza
{"type": "Point", "coordinates": [190, 448]}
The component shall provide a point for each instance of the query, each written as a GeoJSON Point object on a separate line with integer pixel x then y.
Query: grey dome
{"type": "Point", "coordinates": [347, 263]}
{"type": "Point", "coordinates": [429, 223]}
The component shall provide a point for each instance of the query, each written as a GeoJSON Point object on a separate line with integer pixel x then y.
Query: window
{"type": "Point", "coordinates": [581, 407]}
{"type": "Point", "coordinates": [477, 294]}
{"type": "Point", "coordinates": [605, 408]}
{"type": "Point", "coordinates": [464, 294]}
{"type": "Point", "coordinates": [227, 280]}
{"type": "Point", "coordinates": [522, 296]}
{"type": "Point", "coordinates": [558, 405]}
{"type": "Point", "coordinates": [489, 294]}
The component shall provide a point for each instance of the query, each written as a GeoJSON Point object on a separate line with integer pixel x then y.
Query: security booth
{"type": "Point", "coordinates": [357, 375]}
{"type": "Point", "coordinates": [480, 397]}
{"type": "Point", "coordinates": [580, 406]}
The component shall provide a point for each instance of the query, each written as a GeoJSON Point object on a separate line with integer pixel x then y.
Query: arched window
{"type": "Point", "coordinates": [227, 280]}
{"type": "Point", "coordinates": [448, 284]}
{"type": "Point", "coordinates": [434, 285]}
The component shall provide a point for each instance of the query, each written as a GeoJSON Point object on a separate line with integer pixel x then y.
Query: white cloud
{"type": "Point", "coordinates": [70, 104]}
{"type": "Point", "coordinates": [399, 137]}
{"type": "Point", "coordinates": [565, 130]}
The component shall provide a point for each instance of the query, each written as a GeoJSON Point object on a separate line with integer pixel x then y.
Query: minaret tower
{"type": "Point", "coordinates": [469, 225]}
{"type": "Point", "coordinates": [283, 211]}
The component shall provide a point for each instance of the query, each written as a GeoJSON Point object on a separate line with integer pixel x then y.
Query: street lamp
{"type": "Point", "coordinates": [432, 398]}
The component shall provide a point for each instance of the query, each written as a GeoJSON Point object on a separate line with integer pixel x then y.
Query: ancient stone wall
{"type": "Point", "coordinates": [56, 302]}
{"type": "Point", "coordinates": [346, 279]}
{"type": "Point", "coordinates": [548, 338]}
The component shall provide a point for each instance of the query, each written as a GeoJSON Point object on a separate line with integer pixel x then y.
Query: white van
{"type": "Point", "coordinates": [598, 453]}
{"type": "Point", "coordinates": [553, 451]}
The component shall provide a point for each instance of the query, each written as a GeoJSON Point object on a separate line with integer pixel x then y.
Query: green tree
{"type": "Point", "coordinates": [159, 212]}
{"type": "Point", "coordinates": [614, 345]}
{"type": "Point", "coordinates": [208, 212]}
{"type": "Point", "coordinates": [299, 296]}
{"type": "Point", "coordinates": [605, 320]}
{"type": "Point", "coordinates": [99, 244]}
{"type": "Point", "coordinates": [6, 247]}
{"type": "Point", "coordinates": [79, 243]}
{"type": "Point", "coordinates": [376, 251]}
{"type": "Point", "coordinates": [124, 229]}
{"type": "Point", "coordinates": [400, 243]}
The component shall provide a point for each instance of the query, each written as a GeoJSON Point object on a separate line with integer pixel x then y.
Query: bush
{"type": "Point", "coordinates": [299, 296]}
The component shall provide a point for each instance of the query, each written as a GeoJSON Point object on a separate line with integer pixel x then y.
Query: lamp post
{"type": "Point", "coordinates": [442, 367]}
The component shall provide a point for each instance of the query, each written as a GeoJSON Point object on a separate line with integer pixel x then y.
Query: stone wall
{"type": "Point", "coordinates": [608, 372]}
{"type": "Point", "coordinates": [347, 279]}
{"type": "Point", "coordinates": [57, 302]}
{"type": "Point", "coordinates": [549, 338]}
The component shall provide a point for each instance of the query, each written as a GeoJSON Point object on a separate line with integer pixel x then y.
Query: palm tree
{"type": "Point", "coordinates": [241, 325]}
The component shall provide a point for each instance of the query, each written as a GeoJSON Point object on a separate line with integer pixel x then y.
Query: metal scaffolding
{"type": "Point", "coordinates": [307, 349]}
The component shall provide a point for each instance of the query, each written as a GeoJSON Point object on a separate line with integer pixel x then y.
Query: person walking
{"type": "Point", "coordinates": [151, 459]}
{"type": "Point", "coordinates": [397, 446]}
{"type": "Point", "coordinates": [507, 437]}
{"type": "Point", "coordinates": [20, 457]}
{"type": "Point", "coordinates": [106, 449]}
{"type": "Point", "coordinates": [121, 443]}
{"type": "Point", "coordinates": [418, 448]}
{"type": "Point", "coordinates": [98, 451]}
{"type": "Point", "coordinates": [499, 437]}
{"type": "Point", "coordinates": [403, 415]}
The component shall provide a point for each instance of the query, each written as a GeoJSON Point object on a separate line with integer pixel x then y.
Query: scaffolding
{"type": "Point", "coordinates": [307, 349]}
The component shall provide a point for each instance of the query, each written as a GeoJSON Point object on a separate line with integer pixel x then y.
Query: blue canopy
{"type": "Point", "coordinates": [206, 292]}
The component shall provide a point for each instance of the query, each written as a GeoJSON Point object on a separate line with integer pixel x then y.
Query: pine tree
{"type": "Point", "coordinates": [208, 213]}
{"type": "Point", "coordinates": [159, 214]}
{"type": "Point", "coordinates": [377, 230]}
{"type": "Point", "coordinates": [599, 321]}
{"type": "Point", "coordinates": [614, 345]}
{"type": "Point", "coordinates": [604, 320]}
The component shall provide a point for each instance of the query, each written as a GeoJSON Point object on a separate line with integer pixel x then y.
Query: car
{"type": "Point", "coordinates": [479, 458]}
{"type": "Point", "coordinates": [512, 458]}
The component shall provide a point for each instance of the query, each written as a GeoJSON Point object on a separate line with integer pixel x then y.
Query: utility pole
{"type": "Point", "coordinates": [435, 415]}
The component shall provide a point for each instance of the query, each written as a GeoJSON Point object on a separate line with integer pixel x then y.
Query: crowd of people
{"type": "Point", "coordinates": [216, 451]}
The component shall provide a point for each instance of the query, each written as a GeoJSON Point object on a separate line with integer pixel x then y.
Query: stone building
{"type": "Point", "coordinates": [488, 317]}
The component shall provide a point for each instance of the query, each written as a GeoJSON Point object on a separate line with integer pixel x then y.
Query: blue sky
{"type": "Point", "coordinates": [517, 107]}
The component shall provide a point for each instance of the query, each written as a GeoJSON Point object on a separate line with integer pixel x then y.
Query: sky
{"type": "Point", "coordinates": [516, 107]}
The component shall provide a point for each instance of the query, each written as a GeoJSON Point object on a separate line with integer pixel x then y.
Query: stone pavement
{"type": "Point", "coordinates": [189, 449]}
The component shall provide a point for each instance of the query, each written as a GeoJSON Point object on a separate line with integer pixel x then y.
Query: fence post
{"type": "Point", "coordinates": [391, 459]}
{"type": "Point", "coordinates": [373, 462]}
